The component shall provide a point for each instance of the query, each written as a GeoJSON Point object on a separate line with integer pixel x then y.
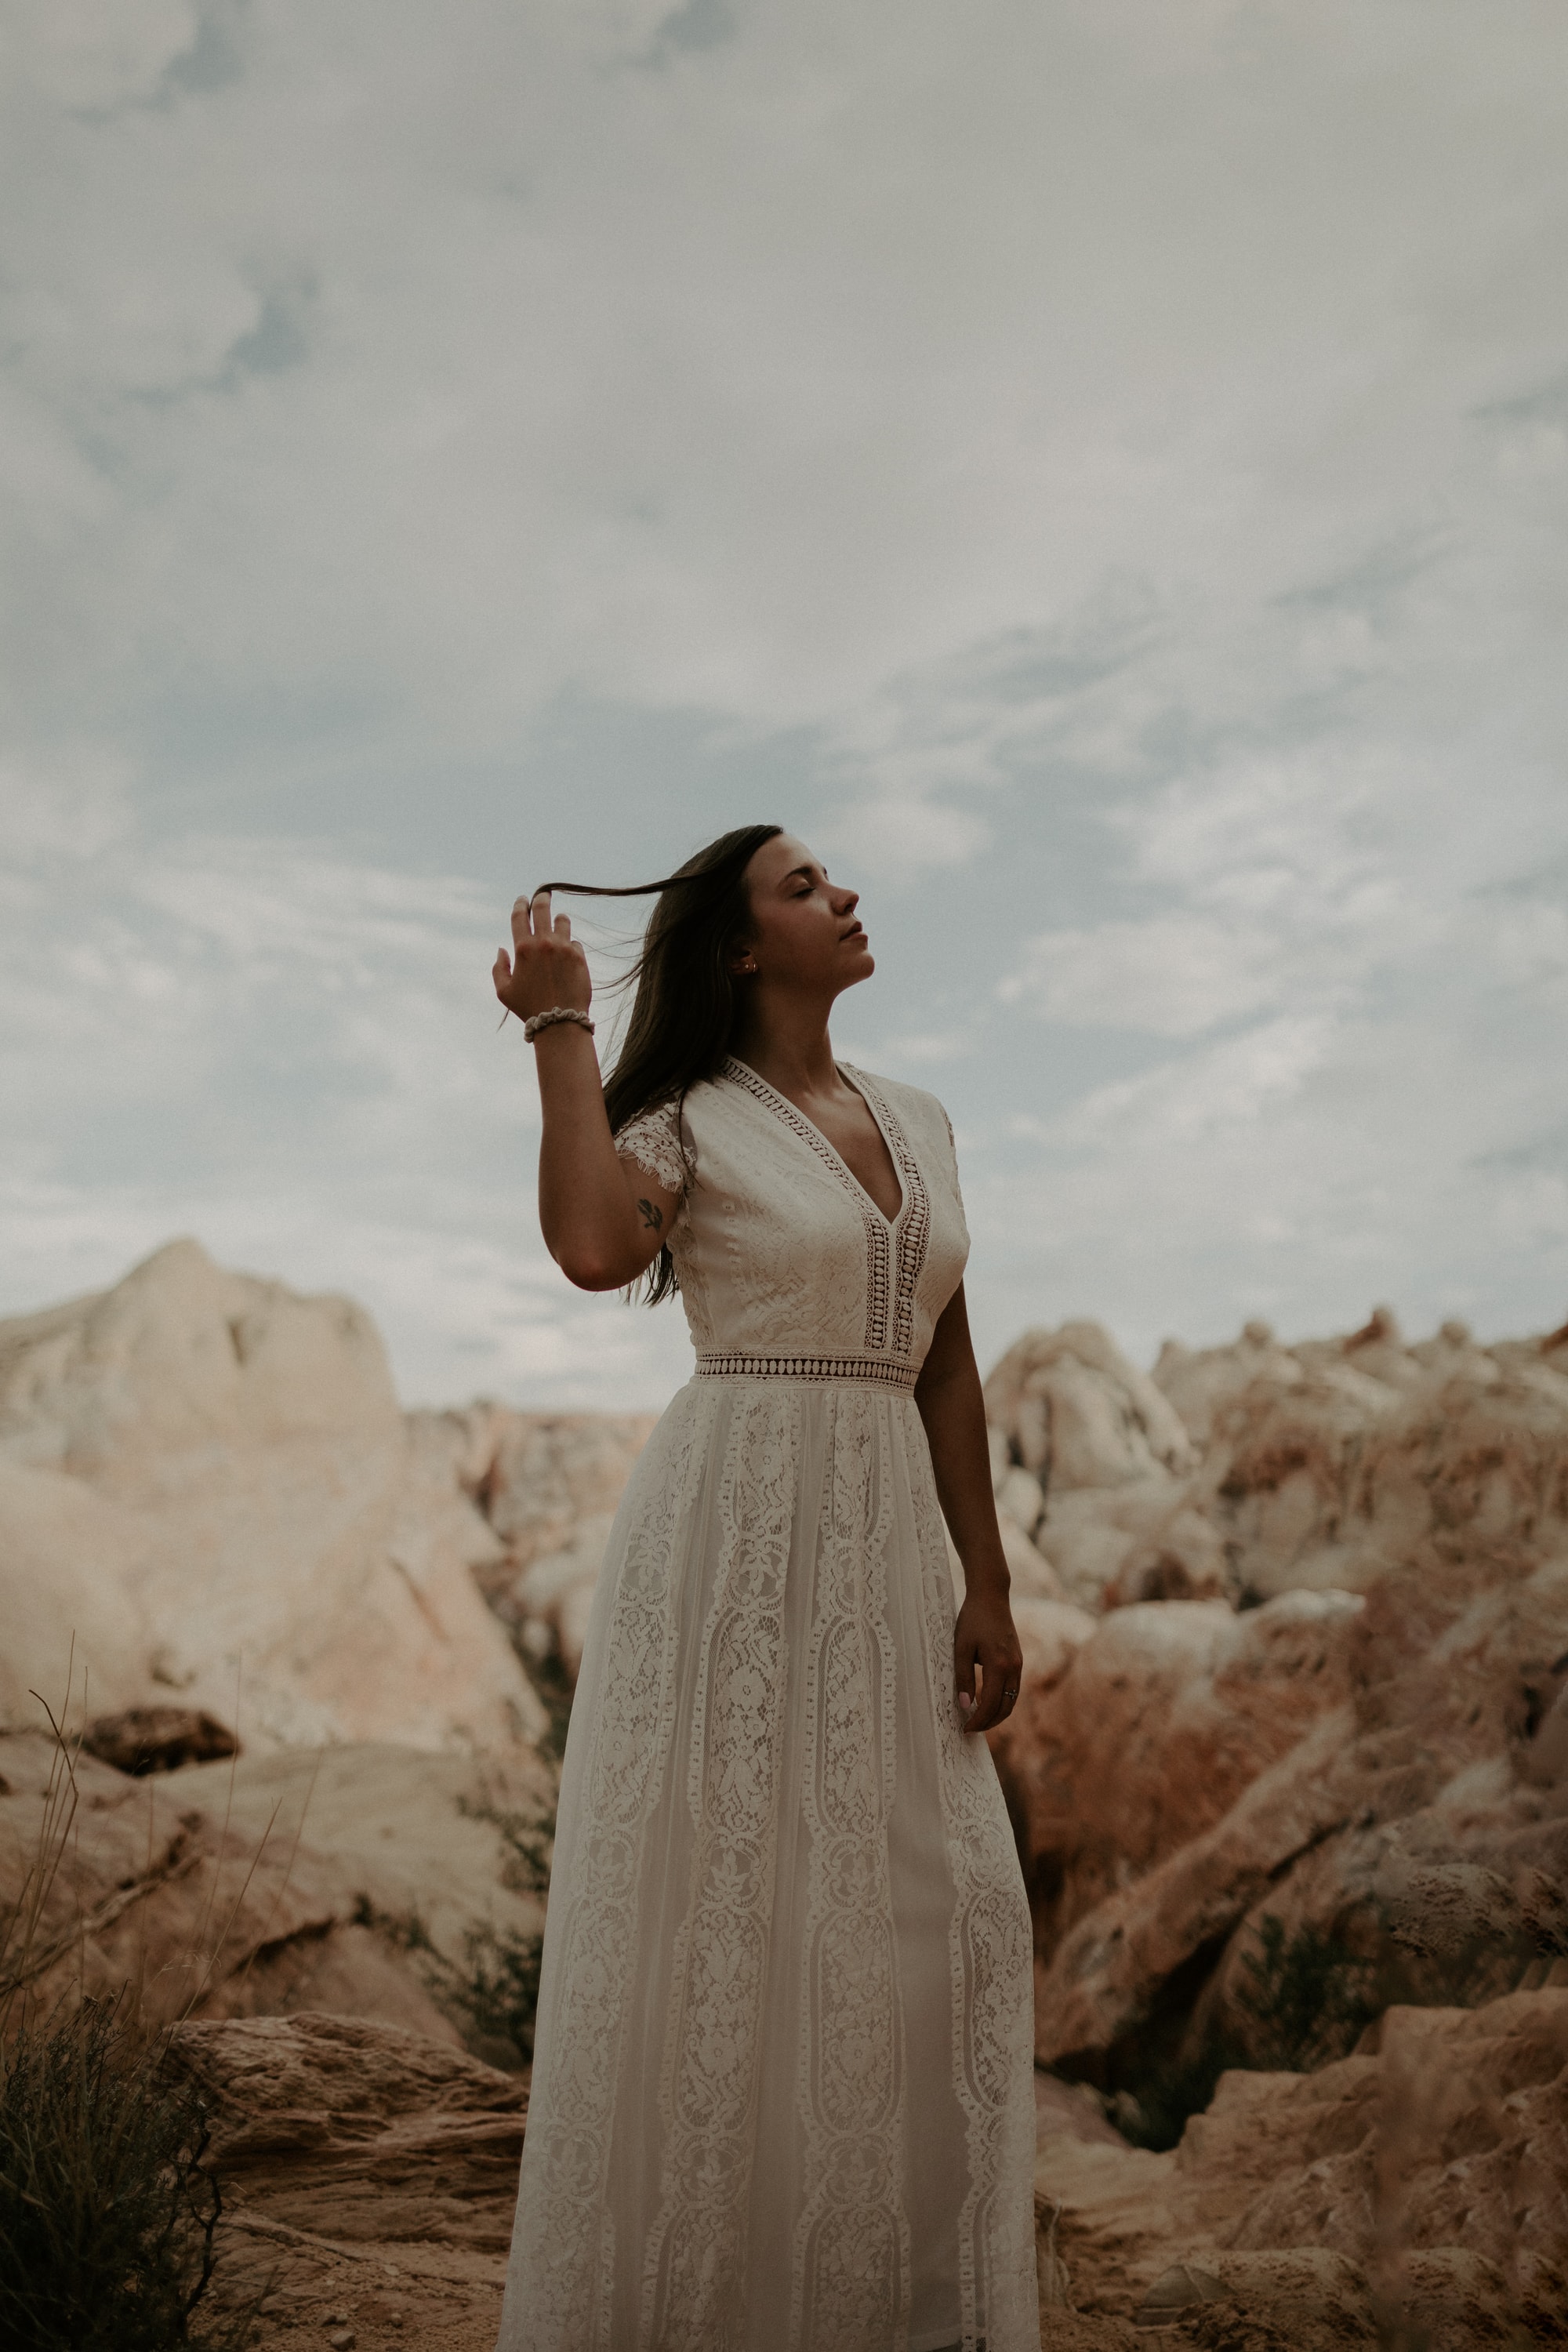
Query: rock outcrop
{"type": "Point", "coordinates": [351, 1878]}
{"type": "Point", "coordinates": [1417, 2191]}
{"type": "Point", "coordinates": [1141, 1736]}
{"type": "Point", "coordinates": [369, 2178]}
{"type": "Point", "coordinates": [1249, 1823]}
{"type": "Point", "coordinates": [207, 1483]}
{"type": "Point", "coordinates": [1289, 1772]}
{"type": "Point", "coordinates": [548, 1485]}
{"type": "Point", "coordinates": [1331, 1464]}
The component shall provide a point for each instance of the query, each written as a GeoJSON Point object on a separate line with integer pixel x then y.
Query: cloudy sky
{"type": "Point", "coordinates": [1098, 468]}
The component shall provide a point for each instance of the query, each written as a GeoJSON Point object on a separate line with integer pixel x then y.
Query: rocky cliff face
{"type": "Point", "coordinates": [1342, 1775]}
{"type": "Point", "coordinates": [206, 1482]}
{"type": "Point", "coordinates": [1289, 1772]}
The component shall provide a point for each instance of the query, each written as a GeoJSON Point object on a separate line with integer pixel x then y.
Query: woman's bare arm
{"type": "Point", "coordinates": [953, 1410]}
{"type": "Point", "coordinates": [603, 1221]}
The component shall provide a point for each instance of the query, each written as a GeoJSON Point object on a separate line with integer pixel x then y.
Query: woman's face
{"type": "Point", "coordinates": [803, 933]}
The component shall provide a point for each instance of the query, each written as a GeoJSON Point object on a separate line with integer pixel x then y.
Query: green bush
{"type": "Point", "coordinates": [498, 1990]}
{"type": "Point", "coordinates": [492, 1993]}
{"type": "Point", "coordinates": [108, 2204]}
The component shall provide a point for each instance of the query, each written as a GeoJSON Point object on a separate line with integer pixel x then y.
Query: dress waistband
{"type": "Point", "coordinates": [876, 1372]}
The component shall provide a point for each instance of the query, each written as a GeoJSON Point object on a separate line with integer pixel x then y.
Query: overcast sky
{"type": "Point", "coordinates": [1098, 468]}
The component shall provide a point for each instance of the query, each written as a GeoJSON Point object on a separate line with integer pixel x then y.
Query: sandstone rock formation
{"type": "Point", "coordinates": [1290, 1755]}
{"type": "Point", "coordinates": [1253, 1822]}
{"type": "Point", "coordinates": [547, 1484]}
{"type": "Point", "coordinates": [1142, 1735]}
{"type": "Point", "coordinates": [275, 1882]}
{"type": "Point", "coordinates": [1090, 1463]}
{"type": "Point", "coordinates": [1329, 1464]}
{"type": "Point", "coordinates": [369, 2176]}
{"type": "Point", "coordinates": [1417, 2191]}
{"type": "Point", "coordinates": [206, 1481]}
{"type": "Point", "coordinates": [1256, 1469]}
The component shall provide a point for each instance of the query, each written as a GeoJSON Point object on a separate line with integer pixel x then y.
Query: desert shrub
{"type": "Point", "coordinates": [1308, 1998]}
{"type": "Point", "coordinates": [528, 1840]}
{"type": "Point", "coordinates": [108, 2204]}
{"type": "Point", "coordinates": [498, 1987]}
{"type": "Point", "coordinates": [498, 1990]}
{"type": "Point", "coordinates": [551, 1685]}
{"type": "Point", "coordinates": [1305, 1998]}
{"type": "Point", "coordinates": [491, 1993]}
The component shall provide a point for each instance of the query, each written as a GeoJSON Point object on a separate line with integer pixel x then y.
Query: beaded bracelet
{"type": "Point", "coordinates": [537, 1020]}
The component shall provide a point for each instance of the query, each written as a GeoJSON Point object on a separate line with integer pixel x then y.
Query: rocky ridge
{"type": "Point", "coordinates": [1288, 1771]}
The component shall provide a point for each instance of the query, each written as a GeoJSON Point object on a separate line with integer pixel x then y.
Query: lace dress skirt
{"type": "Point", "coordinates": [782, 2093]}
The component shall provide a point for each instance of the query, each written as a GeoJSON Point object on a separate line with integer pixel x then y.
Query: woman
{"type": "Point", "coordinates": [782, 2093]}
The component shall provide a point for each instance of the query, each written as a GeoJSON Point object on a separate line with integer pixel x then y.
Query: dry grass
{"type": "Point", "coordinates": [107, 2203]}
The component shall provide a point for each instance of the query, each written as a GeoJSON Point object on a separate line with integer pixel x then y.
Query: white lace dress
{"type": "Point", "coordinates": [783, 2089]}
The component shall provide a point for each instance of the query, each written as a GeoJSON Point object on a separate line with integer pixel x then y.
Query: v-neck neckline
{"type": "Point", "coordinates": [818, 1141]}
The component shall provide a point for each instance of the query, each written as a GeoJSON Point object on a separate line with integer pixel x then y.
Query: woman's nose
{"type": "Point", "coordinates": [846, 901]}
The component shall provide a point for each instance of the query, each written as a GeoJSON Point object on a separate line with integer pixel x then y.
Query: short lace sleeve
{"type": "Point", "coordinates": [653, 1142]}
{"type": "Point", "coordinates": [951, 1151]}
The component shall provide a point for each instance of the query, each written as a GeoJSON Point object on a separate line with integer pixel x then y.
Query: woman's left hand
{"type": "Point", "coordinates": [986, 1637]}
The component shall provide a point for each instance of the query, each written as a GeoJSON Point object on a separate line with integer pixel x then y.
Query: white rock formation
{"type": "Point", "coordinates": [549, 1484]}
{"type": "Point", "coordinates": [1092, 1462]}
{"type": "Point", "coordinates": [205, 1480]}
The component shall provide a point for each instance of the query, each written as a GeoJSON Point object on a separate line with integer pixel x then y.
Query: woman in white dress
{"type": "Point", "coordinates": [783, 2088]}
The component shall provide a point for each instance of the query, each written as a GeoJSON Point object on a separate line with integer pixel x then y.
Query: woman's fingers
{"type": "Point", "coordinates": [1000, 1675]}
{"type": "Point", "coordinates": [964, 1676]}
{"type": "Point", "coordinates": [547, 965]}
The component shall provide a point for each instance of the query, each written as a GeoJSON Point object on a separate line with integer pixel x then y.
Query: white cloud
{"type": "Point", "coordinates": [1099, 470]}
{"type": "Point", "coordinates": [1172, 975]}
{"type": "Point", "coordinates": [296, 1058]}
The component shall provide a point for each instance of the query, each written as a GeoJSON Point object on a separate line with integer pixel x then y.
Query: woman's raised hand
{"type": "Point", "coordinates": [546, 967]}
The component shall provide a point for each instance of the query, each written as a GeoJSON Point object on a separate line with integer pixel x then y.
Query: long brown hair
{"type": "Point", "coordinates": [684, 1012]}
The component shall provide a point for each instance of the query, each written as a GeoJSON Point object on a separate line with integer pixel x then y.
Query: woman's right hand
{"type": "Point", "coordinates": [546, 967]}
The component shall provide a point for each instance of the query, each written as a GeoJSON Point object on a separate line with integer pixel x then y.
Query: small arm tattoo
{"type": "Point", "coordinates": [653, 1218]}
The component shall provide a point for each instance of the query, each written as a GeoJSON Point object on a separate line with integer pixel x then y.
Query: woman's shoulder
{"type": "Point", "coordinates": [920, 1111]}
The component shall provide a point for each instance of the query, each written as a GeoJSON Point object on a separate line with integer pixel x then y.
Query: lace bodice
{"type": "Point", "coordinates": [779, 1249]}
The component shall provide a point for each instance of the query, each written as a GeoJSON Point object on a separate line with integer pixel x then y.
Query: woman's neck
{"type": "Point", "coordinates": [788, 1045]}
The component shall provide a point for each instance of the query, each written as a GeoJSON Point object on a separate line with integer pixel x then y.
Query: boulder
{"type": "Point", "coordinates": [1333, 1475]}
{"type": "Point", "coordinates": [1420, 2185]}
{"type": "Point", "coordinates": [549, 1484]}
{"type": "Point", "coordinates": [208, 1488]}
{"type": "Point", "coordinates": [272, 1881]}
{"type": "Point", "coordinates": [349, 2129]}
{"type": "Point", "coordinates": [1075, 1412]}
{"type": "Point", "coordinates": [179, 1354]}
{"type": "Point", "coordinates": [1201, 1382]}
{"type": "Point", "coordinates": [1144, 1540]}
{"type": "Point", "coordinates": [1137, 1732]}
{"type": "Point", "coordinates": [69, 1619]}
{"type": "Point", "coordinates": [1417, 1830]}
{"type": "Point", "coordinates": [369, 2178]}
{"type": "Point", "coordinates": [157, 1739]}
